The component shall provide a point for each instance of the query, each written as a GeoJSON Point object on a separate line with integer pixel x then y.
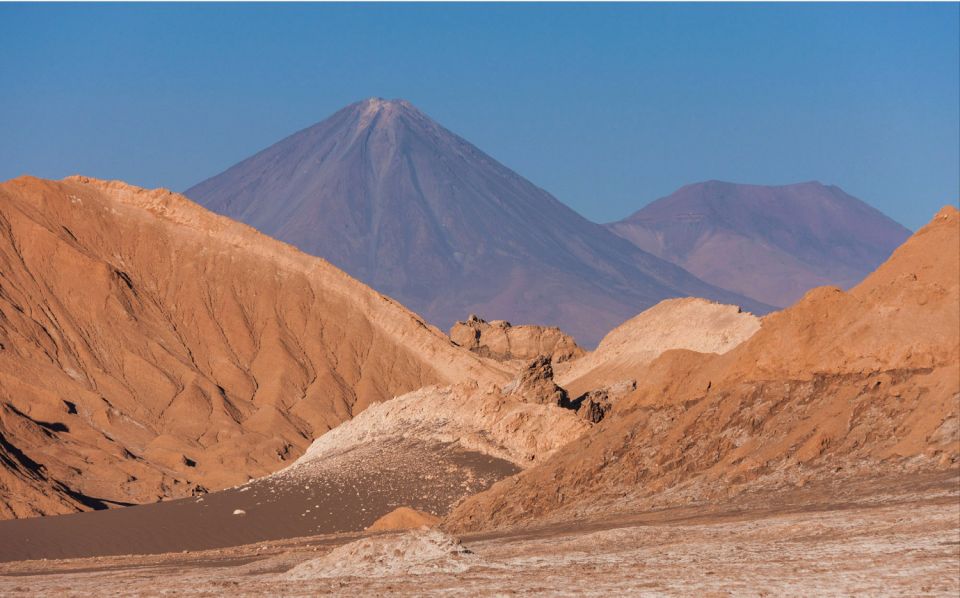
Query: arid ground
{"type": "Point", "coordinates": [876, 537]}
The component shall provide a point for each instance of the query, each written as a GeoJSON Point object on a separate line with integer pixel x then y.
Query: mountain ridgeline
{"type": "Point", "coordinates": [772, 243]}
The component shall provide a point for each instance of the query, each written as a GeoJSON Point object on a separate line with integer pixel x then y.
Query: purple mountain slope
{"type": "Point", "coordinates": [396, 200]}
{"type": "Point", "coordinates": [769, 243]}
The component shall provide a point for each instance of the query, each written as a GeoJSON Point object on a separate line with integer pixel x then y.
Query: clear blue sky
{"type": "Point", "coordinates": [606, 106]}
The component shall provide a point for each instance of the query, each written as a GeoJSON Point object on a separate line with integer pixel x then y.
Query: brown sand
{"type": "Point", "coordinates": [343, 494]}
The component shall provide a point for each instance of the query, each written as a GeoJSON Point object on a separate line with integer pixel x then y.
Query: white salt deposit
{"type": "Point", "coordinates": [414, 553]}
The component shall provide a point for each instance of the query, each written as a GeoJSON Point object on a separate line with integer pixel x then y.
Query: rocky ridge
{"type": "Point", "coordinates": [151, 349]}
{"type": "Point", "coordinates": [842, 385]}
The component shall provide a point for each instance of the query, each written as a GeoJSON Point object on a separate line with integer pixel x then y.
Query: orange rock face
{"type": "Point", "coordinates": [151, 349]}
{"type": "Point", "coordinates": [842, 384]}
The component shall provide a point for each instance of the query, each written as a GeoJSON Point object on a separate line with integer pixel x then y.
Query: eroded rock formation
{"type": "Point", "coordinates": [502, 341]}
{"type": "Point", "coordinates": [151, 349]}
{"type": "Point", "coordinates": [856, 383]}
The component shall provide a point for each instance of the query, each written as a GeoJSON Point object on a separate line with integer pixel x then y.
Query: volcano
{"type": "Point", "coordinates": [408, 207]}
{"type": "Point", "coordinates": [771, 243]}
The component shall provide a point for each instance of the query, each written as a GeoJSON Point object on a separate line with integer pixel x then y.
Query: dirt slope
{"type": "Point", "coordinates": [842, 384]}
{"type": "Point", "coordinates": [345, 494]}
{"type": "Point", "coordinates": [771, 243]}
{"type": "Point", "coordinates": [489, 420]}
{"type": "Point", "coordinates": [149, 347]}
{"type": "Point", "coordinates": [403, 518]}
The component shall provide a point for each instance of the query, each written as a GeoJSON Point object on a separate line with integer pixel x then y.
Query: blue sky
{"type": "Point", "coordinates": [606, 106]}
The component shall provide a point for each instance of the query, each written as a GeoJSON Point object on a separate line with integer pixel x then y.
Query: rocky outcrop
{"type": "Point", "coordinates": [593, 406]}
{"type": "Point", "coordinates": [536, 385]}
{"type": "Point", "coordinates": [420, 552]}
{"type": "Point", "coordinates": [502, 341]}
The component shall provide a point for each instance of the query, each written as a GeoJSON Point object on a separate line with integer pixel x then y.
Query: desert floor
{"type": "Point", "coordinates": [345, 492]}
{"type": "Point", "coordinates": [883, 537]}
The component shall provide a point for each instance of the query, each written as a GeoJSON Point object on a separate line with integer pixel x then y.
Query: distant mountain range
{"type": "Point", "coordinates": [769, 243]}
{"type": "Point", "coordinates": [396, 200]}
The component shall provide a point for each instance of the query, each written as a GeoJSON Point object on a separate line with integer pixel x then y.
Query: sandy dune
{"type": "Point", "coordinates": [694, 324]}
{"type": "Point", "coordinates": [487, 420]}
{"type": "Point", "coordinates": [425, 451]}
{"type": "Point", "coordinates": [404, 518]}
